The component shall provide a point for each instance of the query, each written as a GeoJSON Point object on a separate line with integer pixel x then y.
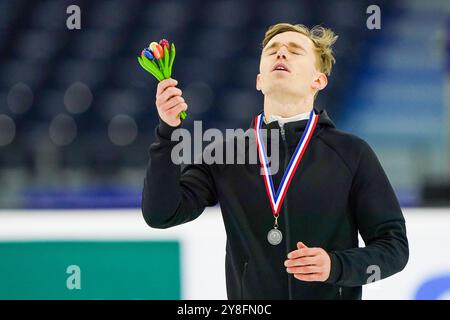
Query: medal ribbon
{"type": "Point", "coordinates": [276, 198]}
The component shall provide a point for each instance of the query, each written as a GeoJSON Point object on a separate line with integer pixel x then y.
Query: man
{"type": "Point", "coordinates": [313, 207]}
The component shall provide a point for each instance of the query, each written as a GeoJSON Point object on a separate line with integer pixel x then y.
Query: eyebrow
{"type": "Point", "coordinates": [290, 44]}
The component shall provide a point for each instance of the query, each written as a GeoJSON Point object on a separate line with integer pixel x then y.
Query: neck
{"type": "Point", "coordinates": [287, 107]}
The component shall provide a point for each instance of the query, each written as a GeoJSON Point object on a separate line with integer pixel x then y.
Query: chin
{"type": "Point", "coordinates": [284, 87]}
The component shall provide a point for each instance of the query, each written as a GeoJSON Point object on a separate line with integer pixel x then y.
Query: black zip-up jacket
{"type": "Point", "coordinates": [338, 190]}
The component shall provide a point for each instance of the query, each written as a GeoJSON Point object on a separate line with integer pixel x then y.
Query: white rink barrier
{"type": "Point", "coordinates": [202, 242]}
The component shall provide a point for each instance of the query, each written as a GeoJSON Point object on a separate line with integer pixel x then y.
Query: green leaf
{"type": "Point", "coordinates": [153, 67]}
{"type": "Point", "coordinates": [145, 67]}
{"type": "Point", "coordinates": [154, 64]}
{"type": "Point", "coordinates": [166, 63]}
{"type": "Point", "coordinates": [173, 53]}
{"type": "Point", "coordinates": [148, 69]}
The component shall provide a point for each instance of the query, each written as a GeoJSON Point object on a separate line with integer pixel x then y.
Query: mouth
{"type": "Point", "coordinates": [280, 67]}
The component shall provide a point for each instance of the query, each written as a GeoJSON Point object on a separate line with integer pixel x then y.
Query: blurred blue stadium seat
{"type": "Point", "coordinates": [218, 45]}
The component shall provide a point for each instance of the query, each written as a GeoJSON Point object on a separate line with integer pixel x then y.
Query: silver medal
{"type": "Point", "coordinates": [274, 237]}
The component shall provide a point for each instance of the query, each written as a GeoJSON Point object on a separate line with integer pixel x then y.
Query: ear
{"type": "Point", "coordinates": [258, 82]}
{"type": "Point", "coordinates": [320, 82]}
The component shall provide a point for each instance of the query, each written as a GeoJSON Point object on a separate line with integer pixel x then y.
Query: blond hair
{"type": "Point", "coordinates": [322, 38]}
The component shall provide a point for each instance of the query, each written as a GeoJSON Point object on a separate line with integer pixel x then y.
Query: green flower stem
{"type": "Point", "coordinates": [161, 66]}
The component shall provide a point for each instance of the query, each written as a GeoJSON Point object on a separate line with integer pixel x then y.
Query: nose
{"type": "Point", "coordinates": [281, 52]}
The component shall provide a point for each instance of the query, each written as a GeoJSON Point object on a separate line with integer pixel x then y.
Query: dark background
{"type": "Point", "coordinates": [77, 112]}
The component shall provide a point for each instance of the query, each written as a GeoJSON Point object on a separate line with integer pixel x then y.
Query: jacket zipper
{"type": "Point", "coordinates": [283, 136]}
{"type": "Point", "coordinates": [242, 279]}
{"type": "Point", "coordinates": [340, 293]}
{"type": "Point", "coordinates": [288, 240]}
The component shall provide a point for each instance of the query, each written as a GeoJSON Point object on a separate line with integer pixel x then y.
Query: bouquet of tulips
{"type": "Point", "coordinates": [158, 60]}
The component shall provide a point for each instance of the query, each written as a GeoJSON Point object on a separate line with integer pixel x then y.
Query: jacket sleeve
{"type": "Point", "coordinates": [173, 195]}
{"type": "Point", "coordinates": [381, 224]}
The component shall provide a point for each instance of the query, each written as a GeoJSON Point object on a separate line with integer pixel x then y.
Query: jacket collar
{"type": "Point", "coordinates": [324, 121]}
{"type": "Point", "coordinates": [293, 130]}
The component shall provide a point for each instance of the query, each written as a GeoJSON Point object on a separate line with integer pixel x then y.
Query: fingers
{"type": "Point", "coordinates": [163, 85]}
{"type": "Point", "coordinates": [305, 252]}
{"type": "Point", "coordinates": [167, 95]}
{"type": "Point", "coordinates": [299, 262]}
{"type": "Point", "coordinates": [304, 269]}
{"type": "Point", "coordinates": [174, 101]}
{"type": "Point", "coordinates": [169, 102]}
{"type": "Point", "coordinates": [311, 277]}
{"type": "Point", "coordinates": [175, 111]}
{"type": "Point", "coordinates": [308, 264]}
{"type": "Point", "coordinates": [301, 245]}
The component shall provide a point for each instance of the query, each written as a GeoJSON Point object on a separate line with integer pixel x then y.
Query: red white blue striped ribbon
{"type": "Point", "coordinates": [277, 198]}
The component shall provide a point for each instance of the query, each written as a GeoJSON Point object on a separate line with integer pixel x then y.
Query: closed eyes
{"type": "Point", "coordinates": [293, 52]}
